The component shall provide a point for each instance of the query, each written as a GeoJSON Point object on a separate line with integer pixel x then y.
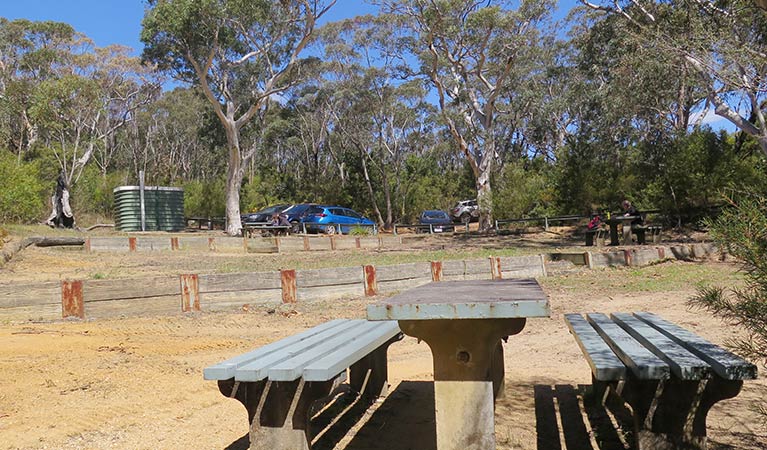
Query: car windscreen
{"type": "Point", "coordinates": [273, 209]}
{"type": "Point", "coordinates": [297, 209]}
{"type": "Point", "coordinates": [434, 214]}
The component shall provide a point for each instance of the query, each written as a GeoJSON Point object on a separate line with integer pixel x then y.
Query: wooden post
{"type": "Point", "coordinates": [132, 244]}
{"type": "Point", "coordinates": [589, 260]}
{"type": "Point", "coordinates": [190, 292]}
{"type": "Point", "coordinates": [436, 271]}
{"type": "Point", "coordinates": [306, 244]}
{"type": "Point", "coordinates": [357, 242]}
{"type": "Point", "coordinates": [174, 243]}
{"type": "Point", "coordinates": [495, 268]}
{"type": "Point", "coordinates": [661, 253]}
{"type": "Point", "coordinates": [245, 243]}
{"type": "Point", "coordinates": [288, 282]}
{"type": "Point", "coordinates": [88, 245]}
{"type": "Point", "coordinates": [543, 265]}
{"type": "Point", "coordinates": [380, 242]}
{"type": "Point", "coordinates": [371, 284]}
{"type": "Point", "coordinates": [277, 243]}
{"type": "Point", "coordinates": [332, 242]}
{"type": "Point", "coordinates": [212, 244]}
{"type": "Point", "coordinates": [627, 257]}
{"type": "Point", "coordinates": [72, 299]}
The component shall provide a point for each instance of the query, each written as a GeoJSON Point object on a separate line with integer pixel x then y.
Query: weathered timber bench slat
{"type": "Point", "coordinates": [669, 376]}
{"type": "Point", "coordinates": [281, 383]}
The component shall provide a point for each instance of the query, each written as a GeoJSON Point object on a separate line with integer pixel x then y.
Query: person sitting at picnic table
{"type": "Point", "coordinates": [280, 220]}
{"type": "Point", "coordinates": [630, 210]}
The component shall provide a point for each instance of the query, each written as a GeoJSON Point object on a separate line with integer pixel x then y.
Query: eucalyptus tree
{"type": "Point", "coordinates": [724, 44]}
{"type": "Point", "coordinates": [471, 52]}
{"type": "Point", "coordinates": [30, 53]}
{"type": "Point", "coordinates": [168, 140]}
{"type": "Point", "coordinates": [79, 111]}
{"type": "Point", "coordinates": [376, 111]}
{"type": "Point", "coordinates": [241, 53]}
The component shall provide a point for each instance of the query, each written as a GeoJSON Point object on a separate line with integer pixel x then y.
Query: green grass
{"type": "Point", "coordinates": [350, 259]}
{"type": "Point", "coordinates": [669, 276]}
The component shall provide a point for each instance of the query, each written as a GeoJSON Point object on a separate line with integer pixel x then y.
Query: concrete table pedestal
{"type": "Point", "coordinates": [468, 376]}
{"type": "Point", "coordinates": [464, 323]}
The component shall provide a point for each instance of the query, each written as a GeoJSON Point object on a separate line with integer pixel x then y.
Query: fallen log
{"type": "Point", "coordinates": [43, 241]}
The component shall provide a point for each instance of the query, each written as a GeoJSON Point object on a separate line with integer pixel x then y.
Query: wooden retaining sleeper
{"type": "Point", "coordinates": [281, 383]}
{"type": "Point", "coordinates": [669, 376]}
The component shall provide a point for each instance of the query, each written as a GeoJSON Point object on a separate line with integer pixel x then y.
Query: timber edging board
{"type": "Point", "coordinates": [230, 291]}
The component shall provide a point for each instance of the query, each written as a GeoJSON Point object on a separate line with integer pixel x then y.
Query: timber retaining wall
{"type": "Point", "coordinates": [230, 291]}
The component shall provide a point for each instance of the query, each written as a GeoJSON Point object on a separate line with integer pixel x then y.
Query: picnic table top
{"type": "Point", "coordinates": [264, 226]}
{"type": "Point", "coordinates": [471, 299]}
{"type": "Point", "coordinates": [619, 218]}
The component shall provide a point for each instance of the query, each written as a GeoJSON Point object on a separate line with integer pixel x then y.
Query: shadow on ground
{"type": "Point", "coordinates": [403, 421]}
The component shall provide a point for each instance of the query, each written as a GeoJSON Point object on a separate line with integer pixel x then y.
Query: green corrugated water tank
{"type": "Point", "coordinates": [163, 208]}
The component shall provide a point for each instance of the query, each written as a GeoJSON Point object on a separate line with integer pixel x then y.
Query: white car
{"type": "Point", "coordinates": [465, 211]}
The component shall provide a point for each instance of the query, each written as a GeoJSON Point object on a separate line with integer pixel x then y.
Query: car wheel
{"type": "Point", "coordinates": [465, 218]}
{"type": "Point", "coordinates": [330, 230]}
{"type": "Point", "coordinates": [295, 227]}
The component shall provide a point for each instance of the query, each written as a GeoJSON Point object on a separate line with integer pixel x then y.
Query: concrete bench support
{"type": "Point", "coordinates": [669, 376]}
{"type": "Point", "coordinates": [284, 383]}
{"type": "Point", "coordinates": [468, 376]}
{"type": "Point", "coordinates": [670, 414]}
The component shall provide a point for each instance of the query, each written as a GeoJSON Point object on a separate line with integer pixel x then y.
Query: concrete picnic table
{"type": "Point", "coordinates": [463, 322]}
{"type": "Point", "coordinates": [614, 221]}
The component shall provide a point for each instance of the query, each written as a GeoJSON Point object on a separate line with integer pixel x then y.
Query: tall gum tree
{"type": "Point", "coordinates": [241, 53]}
{"type": "Point", "coordinates": [470, 51]}
{"type": "Point", "coordinates": [726, 46]}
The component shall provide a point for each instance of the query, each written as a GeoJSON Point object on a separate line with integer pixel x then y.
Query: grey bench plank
{"type": "Point", "coordinates": [642, 362]}
{"type": "Point", "coordinates": [225, 369]}
{"type": "Point", "coordinates": [605, 365]}
{"type": "Point", "coordinates": [293, 368]}
{"type": "Point", "coordinates": [338, 360]}
{"type": "Point", "coordinates": [724, 363]}
{"type": "Point", "coordinates": [258, 369]}
{"type": "Point", "coordinates": [683, 363]}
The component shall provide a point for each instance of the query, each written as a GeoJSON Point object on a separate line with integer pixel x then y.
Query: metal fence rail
{"type": "Point", "coordinates": [430, 228]}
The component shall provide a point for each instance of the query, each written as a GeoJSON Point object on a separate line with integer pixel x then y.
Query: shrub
{"type": "Point", "coordinates": [741, 229]}
{"type": "Point", "coordinates": [205, 198]}
{"type": "Point", "coordinates": [359, 231]}
{"type": "Point", "coordinates": [21, 191]}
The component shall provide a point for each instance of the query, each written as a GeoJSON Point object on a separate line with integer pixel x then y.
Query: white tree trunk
{"type": "Point", "coordinates": [233, 181]}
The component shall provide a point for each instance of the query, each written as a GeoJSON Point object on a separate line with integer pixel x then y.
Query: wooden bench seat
{"type": "Point", "coordinates": [280, 384]}
{"type": "Point", "coordinates": [250, 230]}
{"type": "Point", "coordinates": [669, 376]}
{"type": "Point", "coordinates": [641, 232]}
{"type": "Point", "coordinates": [597, 235]}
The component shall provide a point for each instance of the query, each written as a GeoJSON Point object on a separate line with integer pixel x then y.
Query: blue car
{"type": "Point", "coordinates": [333, 219]}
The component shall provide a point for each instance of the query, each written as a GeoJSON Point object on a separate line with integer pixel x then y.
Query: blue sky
{"type": "Point", "coordinates": [109, 22]}
{"type": "Point", "coordinates": [119, 21]}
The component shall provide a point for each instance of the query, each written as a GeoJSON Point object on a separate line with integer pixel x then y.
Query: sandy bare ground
{"type": "Point", "coordinates": [136, 383]}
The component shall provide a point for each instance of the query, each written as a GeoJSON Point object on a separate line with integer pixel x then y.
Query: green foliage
{"type": "Point", "coordinates": [21, 191]}
{"type": "Point", "coordinates": [359, 231]}
{"type": "Point", "coordinates": [93, 193]}
{"type": "Point", "coordinates": [689, 173]}
{"type": "Point", "coordinates": [205, 198]}
{"type": "Point", "coordinates": [521, 191]}
{"type": "Point", "coordinates": [741, 229]}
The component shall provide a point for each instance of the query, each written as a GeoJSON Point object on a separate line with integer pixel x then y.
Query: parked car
{"type": "Point", "coordinates": [332, 219]}
{"type": "Point", "coordinates": [465, 211]}
{"type": "Point", "coordinates": [295, 213]}
{"type": "Point", "coordinates": [264, 215]}
{"type": "Point", "coordinates": [439, 221]}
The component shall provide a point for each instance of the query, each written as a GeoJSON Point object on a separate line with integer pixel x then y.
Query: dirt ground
{"type": "Point", "coordinates": [136, 383]}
